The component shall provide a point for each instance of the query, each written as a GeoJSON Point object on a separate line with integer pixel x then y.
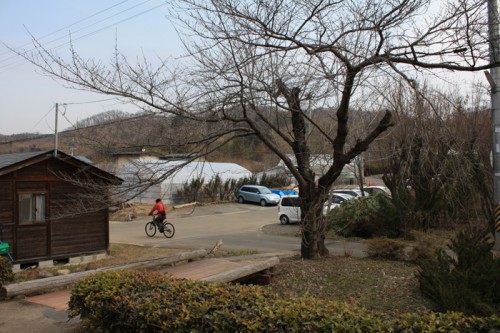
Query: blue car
{"type": "Point", "coordinates": [257, 194]}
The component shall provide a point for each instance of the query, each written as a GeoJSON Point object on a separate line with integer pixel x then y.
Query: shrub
{"type": "Point", "coordinates": [277, 180]}
{"type": "Point", "coordinates": [424, 248]}
{"type": "Point", "coordinates": [464, 278]}
{"type": "Point", "coordinates": [189, 191]}
{"type": "Point", "coordinates": [6, 274]}
{"type": "Point", "coordinates": [366, 217]}
{"type": "Point", "coordinates": [383, 248]}
{"type": "Point", "coordinates": [132, 301]}
{"type": "Point", "coordinates": [218, 190]}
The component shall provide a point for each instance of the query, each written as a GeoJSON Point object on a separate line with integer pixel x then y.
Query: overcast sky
{"type": "Point", "coordinates": [28, 98]}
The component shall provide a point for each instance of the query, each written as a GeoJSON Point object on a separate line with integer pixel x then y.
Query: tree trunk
{"type": "Point", "coordinates": [313, 223]}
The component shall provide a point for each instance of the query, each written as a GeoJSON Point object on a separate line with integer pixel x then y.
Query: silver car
{"type": "Point", "coordinates": [258, 194]}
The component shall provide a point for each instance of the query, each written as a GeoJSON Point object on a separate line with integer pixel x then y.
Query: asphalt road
{"type": "Point", "coordinates": [239, 226]}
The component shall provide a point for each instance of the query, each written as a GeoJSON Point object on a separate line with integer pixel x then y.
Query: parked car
{"type": "Point", "coordinates": [351, 191]}
{"type": "Point", "coordinates": [289, 207]}
{"type": "Point", "coordinates": [377, 189]}
{"type": "Point", "coordinates": [258, 194]}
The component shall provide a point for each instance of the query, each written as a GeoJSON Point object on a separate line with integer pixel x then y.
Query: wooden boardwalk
{"type": "Point", "coordinates": [216, 269]}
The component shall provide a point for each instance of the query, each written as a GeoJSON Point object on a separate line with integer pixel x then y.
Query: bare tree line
{"type": "Point", "coordinates": [437, 160]}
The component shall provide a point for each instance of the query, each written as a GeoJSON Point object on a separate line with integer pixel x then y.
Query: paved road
{"type": "Point", "coordinates": [239, 226]}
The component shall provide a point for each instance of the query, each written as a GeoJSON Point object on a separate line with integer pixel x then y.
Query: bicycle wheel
{"type": "Point", "coordinates": [150, 229]}
{"type": "Point", "coordinates": [168, 230]}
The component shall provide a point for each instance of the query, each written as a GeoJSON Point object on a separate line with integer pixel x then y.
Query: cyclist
{"type": "Point", "coordinates": [161, 214]}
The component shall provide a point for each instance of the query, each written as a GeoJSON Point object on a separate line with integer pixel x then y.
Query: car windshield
{"type": "Point", "coordinates": [265, 191]}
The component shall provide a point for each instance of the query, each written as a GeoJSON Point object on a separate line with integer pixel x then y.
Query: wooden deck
{"type": "Point", "coordinates": [216, 269]}
{"type": "Point", "coordinates": [197, 270]}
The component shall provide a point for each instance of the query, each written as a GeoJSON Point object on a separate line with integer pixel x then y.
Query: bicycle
{"type": "Point", "coordinates": [168, 228]}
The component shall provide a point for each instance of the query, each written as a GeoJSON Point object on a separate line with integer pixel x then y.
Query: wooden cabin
{"type": "Point", "coordinates": [53, 206]}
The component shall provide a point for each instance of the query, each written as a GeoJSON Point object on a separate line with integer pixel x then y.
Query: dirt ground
{"type": "Point", "coordinates": [18, 315]}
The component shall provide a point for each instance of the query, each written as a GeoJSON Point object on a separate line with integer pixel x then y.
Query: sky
{"type": "Point", "coordinates": [28, 98]}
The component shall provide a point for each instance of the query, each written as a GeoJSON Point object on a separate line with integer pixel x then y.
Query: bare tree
{"type": "Point", "coordinates": [262, 67]}
{"type": "Point", "coordinates": [437, 160]}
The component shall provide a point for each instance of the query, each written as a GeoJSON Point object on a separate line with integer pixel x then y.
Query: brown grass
{"type": "Point", "coordinates": [386, 286]}
{"type": "Point", "coordinates": [118, 254]}
{"type": "Point", "coordinates": [133, 212]}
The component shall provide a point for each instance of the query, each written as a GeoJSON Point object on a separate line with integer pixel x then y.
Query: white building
{"type": "Point", "coordinates": [146, 180]}
{"type": "Point", "coordinates": [320, 163]}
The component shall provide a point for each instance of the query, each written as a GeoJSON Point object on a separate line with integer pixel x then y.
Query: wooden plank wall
{"type": "Point", "coordinates": [68, 231]}
{"type": "Point", "coordinates": [6, 211]}
{"type": "Point", "coordinates": [74, 232]}
{"type": "Point", "coordinates": [34, 242]}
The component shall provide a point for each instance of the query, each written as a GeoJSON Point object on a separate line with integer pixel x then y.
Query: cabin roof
{"type": "Point", "coordinates": [15, 161]}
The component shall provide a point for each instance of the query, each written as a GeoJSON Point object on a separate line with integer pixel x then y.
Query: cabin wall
{"type": "Point", "coordinates": [6, 211]}
{"type": "Point", "coordinates": [73, 224]}
{"type": "Point", "coordinates": [72, 233]}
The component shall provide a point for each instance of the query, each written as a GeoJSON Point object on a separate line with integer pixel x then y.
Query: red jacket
{"type": "Point", "coordinates": [160, 208]}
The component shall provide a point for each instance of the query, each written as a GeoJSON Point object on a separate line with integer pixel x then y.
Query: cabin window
{"type": "Point", "coordinates": [31, 208]}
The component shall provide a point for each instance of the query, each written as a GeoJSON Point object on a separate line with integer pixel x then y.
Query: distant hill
{"type": "Point", "coordinates": [103, 135]}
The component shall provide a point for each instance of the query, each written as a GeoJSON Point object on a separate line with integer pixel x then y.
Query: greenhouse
{"type": "Point", "coordinates": [146, 180]}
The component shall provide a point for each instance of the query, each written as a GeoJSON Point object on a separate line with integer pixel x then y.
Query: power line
{"type": "Point", "coordinates": [116, 23]}
{"type": "Point", "coordinates": [44, 116]}
{"type": "Point", "coordinates": [65, 27]}
{"type": "Point", "coordinates": [21, 61]}
{"type": "Point", "coordinates": [90, 102]}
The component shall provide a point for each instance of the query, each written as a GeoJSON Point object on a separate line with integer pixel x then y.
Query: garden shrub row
{"type": "Point", "coordinates": [138, 301]}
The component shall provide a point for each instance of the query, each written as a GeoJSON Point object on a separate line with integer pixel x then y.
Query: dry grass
{"type": "Point", "coordinates": [133, 212]}
{"type": "Point", "coordinates": [118, 254]}
{"type": "Point", "coordinates": [386, 286]}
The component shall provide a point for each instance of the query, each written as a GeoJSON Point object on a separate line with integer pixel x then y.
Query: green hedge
{"type": "Point", "coordinates": [136, 301]}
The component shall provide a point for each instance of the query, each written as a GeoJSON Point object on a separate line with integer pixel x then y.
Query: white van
{"type": "Point", "coordinates": [289, 207]}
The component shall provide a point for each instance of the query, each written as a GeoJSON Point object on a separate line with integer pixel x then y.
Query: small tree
{"type": "Point", "coordinates": [466, 279]}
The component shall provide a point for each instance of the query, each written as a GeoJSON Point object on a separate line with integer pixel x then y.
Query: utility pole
{"type": "Point", "coordinates": [494, 80]}
{"type": "Point", "coordinates": [55, 132]}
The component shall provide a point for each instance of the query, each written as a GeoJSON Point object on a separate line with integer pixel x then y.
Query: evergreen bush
{"type": "Point", "coordinates": [274, 181]}
{"type": "Point", "coordinates": [465, 277]}
{"type": "Point", "coordinates": [218, 190]}
{"type": "Point", "coordinates": [366, 217]}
